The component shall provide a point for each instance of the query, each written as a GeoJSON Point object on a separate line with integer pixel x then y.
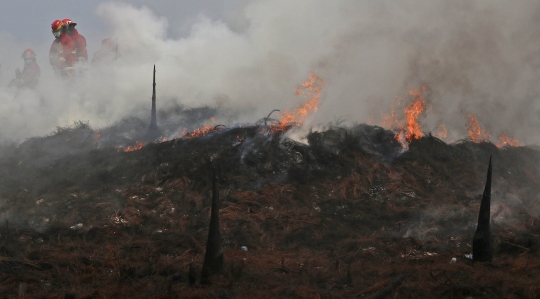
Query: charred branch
{"type": "Point", "coordinates": [267, 118]}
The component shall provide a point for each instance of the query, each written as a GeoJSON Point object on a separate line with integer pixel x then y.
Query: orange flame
{"type": "Point", "coordinates": [200, 132]}
{"type": "Point", "coordinates": [182, 134]}
{"type": "Point", "coordinates": [475, 131]}
{"type": "Point", "coordinates": [138, 145]}
{"type": "Point", "coordinates": [409, 129]}
{"type": "Point", "coordinates": [390, 121]}
{"type": "Point", "coordinates": [97, 136]}
{"type": "Point", "coordinates": [443, 133]}
{"type": "Point", "coordinates": [507, 141]}
{"type": "Point", "coordinates": [311, 90]}
{"type": "Point", "coordinates": [412, 112]}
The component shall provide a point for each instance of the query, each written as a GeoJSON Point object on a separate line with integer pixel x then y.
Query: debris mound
{"type": "Point", "coordinates": [345, 215]}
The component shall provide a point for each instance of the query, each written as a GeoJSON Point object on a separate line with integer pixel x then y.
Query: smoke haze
{"type": "Point", "coordinates": [477, 57]}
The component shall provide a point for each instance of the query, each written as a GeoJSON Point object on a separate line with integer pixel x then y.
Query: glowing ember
{"type": "Point", "coordinates": [311, 90]}
{"type": "Point", "coordinates": [97, 135]}
{"type": "Point", "coordinates": [475, 131]}
{"type": "Point", "coordinates": [138, 145]}
{"type": "Point", "coordinates": [507, 141]}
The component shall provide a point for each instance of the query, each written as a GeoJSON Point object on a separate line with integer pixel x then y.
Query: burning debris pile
{"type": "Point", "coordinates": [107, 214]}
{"type": "Point", "coordinates": [339, 217]}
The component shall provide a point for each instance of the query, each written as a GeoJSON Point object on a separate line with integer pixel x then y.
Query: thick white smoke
{"type": "Point", "coordinates": [477, 57]}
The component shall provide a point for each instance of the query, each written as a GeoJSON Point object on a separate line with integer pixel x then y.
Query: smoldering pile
{"type": "Point", "coordinates": [345, 211]}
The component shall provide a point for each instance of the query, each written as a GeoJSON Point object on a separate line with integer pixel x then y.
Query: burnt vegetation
{"type": "Point", "coordinates": [347, 215]}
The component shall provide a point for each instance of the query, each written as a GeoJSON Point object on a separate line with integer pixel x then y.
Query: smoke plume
{"type": "Point", "coordinates": [476, 57]}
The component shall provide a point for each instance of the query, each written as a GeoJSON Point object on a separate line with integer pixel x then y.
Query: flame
{"type": "Point", "coordinates": [182, 134]}
{"type": "Point", "coordinates": [475, 131]}
{"type": "Point", "coordinates": [409, 129]}
{"type": "Point", "coordinates": [311, 90]}
{"type": "Point", "coordinates": [413, 129]}
{"type": "Point", "coordinates": [138, 145]}
{"type": "Point", "coordinates": [97, 136]}
{"type": "Point", "coordinates": [390, 121]}
{"type": "Point", "coordinates": [200, 132]}
{"type": "Point", "coordinates": [443, 133]}
{"type": "Point", "coordinates": [507, 141]}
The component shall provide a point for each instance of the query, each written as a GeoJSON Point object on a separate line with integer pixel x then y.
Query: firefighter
{"type": "Point", "coordinates": [106, 54]}
{"type": "Point", "coordinates": [62, 55]}
{"type": "Point", "coordinates": [78, 39]}
{"type": "Point", "coordinates": [29, 77]}
{"type": "Point", "coordinates": [55, 46]}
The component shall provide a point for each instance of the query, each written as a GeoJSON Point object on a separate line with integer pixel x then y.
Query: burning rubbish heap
{"type": "Point", "coordinates": [345, 212]}
{"type": "Point", "coordinates": [345, 215]}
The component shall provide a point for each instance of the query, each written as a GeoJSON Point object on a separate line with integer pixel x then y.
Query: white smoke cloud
{"type": "Point", "coordinates": [477, 57]}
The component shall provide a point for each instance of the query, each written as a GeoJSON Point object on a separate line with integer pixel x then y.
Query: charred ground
{"type": "Point", "coordinates": [339, 217]}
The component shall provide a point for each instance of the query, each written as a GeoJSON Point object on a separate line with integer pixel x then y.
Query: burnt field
{"type": "Point", "coordinates": [347, 215]}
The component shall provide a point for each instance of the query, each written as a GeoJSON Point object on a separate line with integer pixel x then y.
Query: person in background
{"type": "Point", "coordinates": [55, 46]}
{"type": "Point", "coordinates": [106, 54]}
{"type": "Point", "coordinates": [78, 39]}
{"type": "Point", "coordinates": [29, 77]}
{"type": "Point", "coordinates": [62, 55]}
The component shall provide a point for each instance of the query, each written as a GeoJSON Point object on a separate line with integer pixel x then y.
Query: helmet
{"type": "Point", "coordinates": [68, 22]}
{"type": "Point", "coordinates": [28, 54]}
{"type": "Point", "coordinates": [57, 25]}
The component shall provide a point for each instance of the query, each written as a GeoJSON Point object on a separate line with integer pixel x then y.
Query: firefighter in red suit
{"type": "Point", "coordinates": [29, 77]}
{"type": "Point", "coordinates": [106, 54]}
{"type": "Point", "coordinates": [62, 55]}
{"type": "Point", "coordinates": [78, 39]}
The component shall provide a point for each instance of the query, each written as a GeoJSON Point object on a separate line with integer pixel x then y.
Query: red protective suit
{"type": "Point", "coordinates": [53, 53]}
{"type": "Point", "coordinates": [29, 77]}
{"type": "Point", "coordinates": [80, 45]}
{"type": "Point", "coordinates": [62, 55]}
{"type": "Point", "coordinates": [106, 54]}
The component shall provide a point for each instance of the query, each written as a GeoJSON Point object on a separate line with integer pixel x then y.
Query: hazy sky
{"type": "Point", "coordinates": [29, 21]}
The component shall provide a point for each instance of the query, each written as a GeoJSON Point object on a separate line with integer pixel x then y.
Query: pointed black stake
{"type": "Point", "coordinates": [213, 258]}
{"type": "Point", "coordinates": [482, 244]}
{"type": "Point", "coordinates": [153, 121]}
